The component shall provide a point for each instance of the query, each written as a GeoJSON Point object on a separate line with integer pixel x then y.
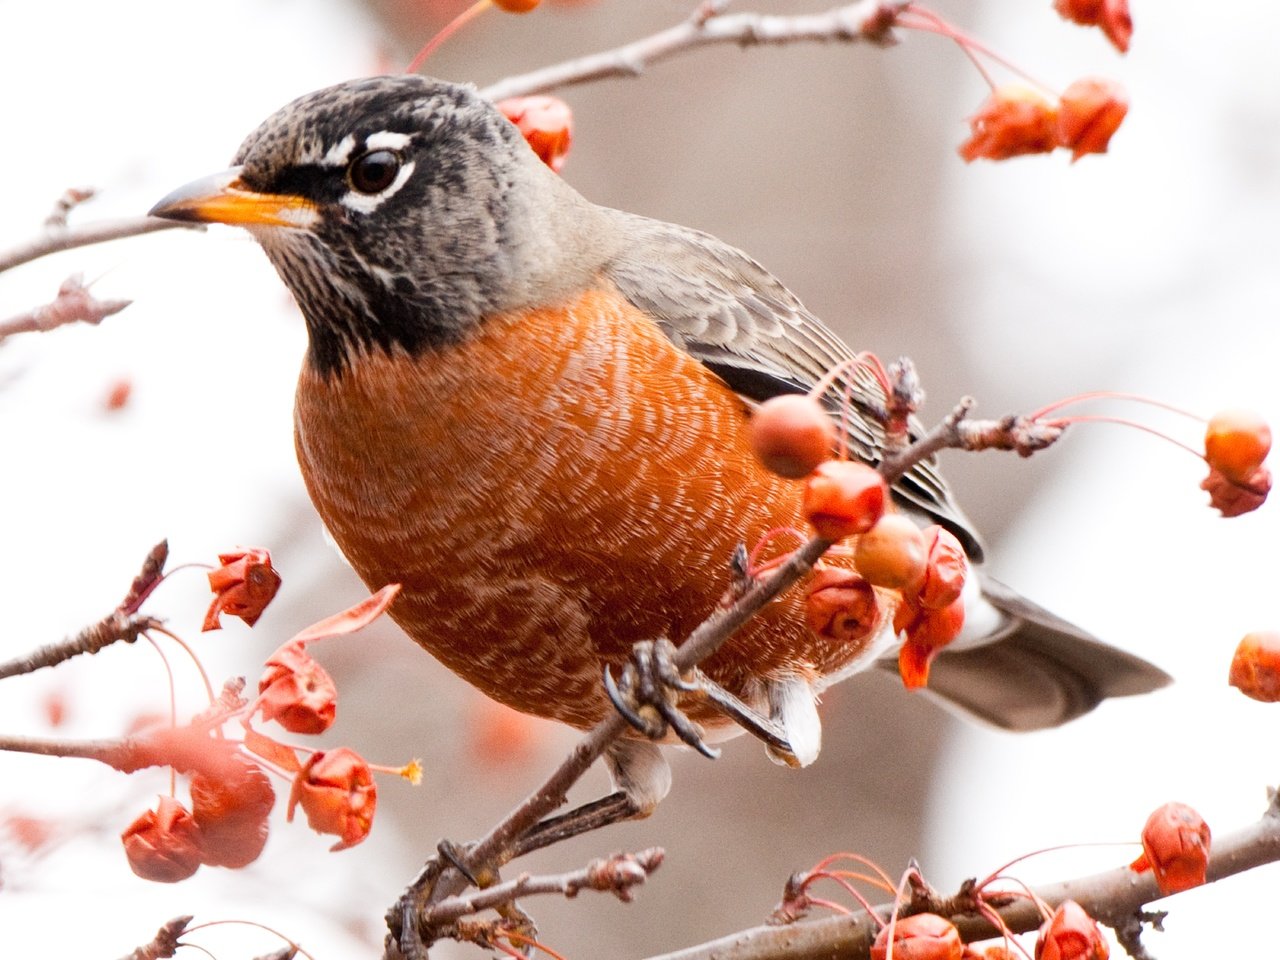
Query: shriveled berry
{"type": "Point", "coordinates": [1071, 934]}
{"type": "Point", "coordinates": [164, 844]}
{"type": "Point", "coordinates": [945, 573]}
{"type": "Point", "coordinates": [841, 606]}
{"type": "Point", "coordinates": [791, 434]}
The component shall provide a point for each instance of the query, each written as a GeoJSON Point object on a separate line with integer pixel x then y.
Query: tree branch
{"type": "Point", "coordinates": [63, 238]}
{"type": "Point", "coordinates": [124, 623]}
{"type": "Point", "coordinates": [164, 944]}
{"type": "Point", "coordinates": [1112, 897]}
{"type": "Point", "coordinates": [73, 304]}
{"type": "Point", "coordinates": [114, 627]}
{"type": "Point", "coordinates": [868, 20]}
{"type": "Point", "coordinates": [616, 874]}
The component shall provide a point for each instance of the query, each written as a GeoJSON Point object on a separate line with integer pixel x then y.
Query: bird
{"type": "Point", "coordinates": [530, 410]}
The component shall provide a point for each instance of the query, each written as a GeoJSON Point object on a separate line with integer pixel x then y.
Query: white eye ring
{"type": "Point", "coordinates": [362, 201]}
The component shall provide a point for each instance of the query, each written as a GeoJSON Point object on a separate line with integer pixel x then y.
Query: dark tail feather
{"type": "Point", "coordinates": [1039, 670]}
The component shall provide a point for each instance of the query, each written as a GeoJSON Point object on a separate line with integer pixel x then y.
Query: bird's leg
{"type": "Point", "coordinates": [765, 729]}
{"type": "Point", "coordinates": [648, 691]}
{"type": "Point", "coordinates": [642, 778]}
{"type": "Point", "coordinates": [647, 694]}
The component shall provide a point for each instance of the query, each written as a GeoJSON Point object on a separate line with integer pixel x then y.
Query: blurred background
{"type": "Point", "coordinates": [1151, 270]}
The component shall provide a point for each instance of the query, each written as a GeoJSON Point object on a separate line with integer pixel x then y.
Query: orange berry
{"type": "Point", "coordinates": [791, 435]}
{"type": "Point", "coordinates": [921, 936]}
{"type": "Point", "coordinates": [1012, 121]}
{"type": "Point", "coordinates": [1090, 112]}
{"type": "Point", "coordinates": [893, 553]}
{"type": "Point", "coordinates": [546, 123]}
{"type": "Point", "coordinates": [1236, 442]}
{"type": "Point", "coordinates": [844, 499]}
{"type": "Point", "coordinates": [516, 6]}
{"type": "Point", "coordinates": [1111, 16]}
{"type": "Point", "coordinates": [1175, 844]}
{"type": "Point", "coordinates": [1255, 668]}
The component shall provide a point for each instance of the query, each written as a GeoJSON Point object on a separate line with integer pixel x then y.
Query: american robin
{"type": "Point", "coordinates": [530, 411]}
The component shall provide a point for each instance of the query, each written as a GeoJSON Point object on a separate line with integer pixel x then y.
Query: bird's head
{"type": "Point", "coordinates": [400, 211]}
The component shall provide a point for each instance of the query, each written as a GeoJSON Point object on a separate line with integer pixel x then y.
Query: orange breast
{"type": "Point", "coordinates": [559, 486]}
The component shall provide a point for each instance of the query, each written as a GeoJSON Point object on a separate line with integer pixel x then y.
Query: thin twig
{"type": "Point", "coordinates": [865, 20]}
{"type": "Point", "coordinates": [1113, 897]}
{"type": "Point", "coordinates": [164, 944]}
{"type": "Point", "coordinates": [73, 304]}
{"type": "Point", "coordinates": [84, 235]}
{"type": "Point", "coordinates": [123, 624]}
{"type": "Point", "coordinates": [115, 627]}
{"type": "Point", "coordinates": [616, 874]}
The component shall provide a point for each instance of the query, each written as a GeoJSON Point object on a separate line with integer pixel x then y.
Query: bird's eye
{"type": "Point", "coordinates": [374, 172]}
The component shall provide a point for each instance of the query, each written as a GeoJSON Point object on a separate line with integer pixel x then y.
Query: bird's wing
{"type": "Point", "coordinates": [726, 310]}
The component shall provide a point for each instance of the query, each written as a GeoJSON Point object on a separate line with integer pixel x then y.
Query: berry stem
{"type": "Point", "coordinates": [1113, 395]}
{"type": "Point", "coordinates": [448, 30]}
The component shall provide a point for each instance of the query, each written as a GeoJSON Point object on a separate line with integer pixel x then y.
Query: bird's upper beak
{"type": "Point", "coordinates": [223, 198]}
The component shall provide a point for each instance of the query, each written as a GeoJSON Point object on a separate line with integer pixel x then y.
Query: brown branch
{"type": "Point", "coordinates": [616, 874]}
{"type": "Point", "coordinates": [437, 883]}
{"type": "Point", "coordinates": [84, 235]}
{"type": "Point", "coordinates": [165, 943]}
{"type": "Point", "coordinates": [868, 20]}
{"type": "Point", "coordinates": [117, 626]}
{"type": "Point", "coordinates": [1113, 897]}
{"type": "Point", "coordinates": [73, 304]}
{"type": "Point", "coordinates": [124, 623]}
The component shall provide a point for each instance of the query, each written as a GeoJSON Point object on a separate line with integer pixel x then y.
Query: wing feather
{"type": "Point", "coordinates": [729, 312]}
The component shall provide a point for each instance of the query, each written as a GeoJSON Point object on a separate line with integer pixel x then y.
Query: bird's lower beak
{"type": "Point", "coordinates": [223, 198]}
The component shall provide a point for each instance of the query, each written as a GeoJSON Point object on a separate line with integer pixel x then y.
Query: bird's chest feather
{"type": "Point", "coordinates": [551, 490]}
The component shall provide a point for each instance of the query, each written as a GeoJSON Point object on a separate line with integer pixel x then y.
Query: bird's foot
{"type": "Point", "coordinates": [648, 693]}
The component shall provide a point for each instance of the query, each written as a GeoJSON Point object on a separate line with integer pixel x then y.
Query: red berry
{"type": "Point", "coordinates": [893, 553]}
{"type": "Point", "coordinates": [791, 435]}
{"type": "Point", "coordinates": [844, 499]}
{"type": "Point", "coordinates": [516, 6]}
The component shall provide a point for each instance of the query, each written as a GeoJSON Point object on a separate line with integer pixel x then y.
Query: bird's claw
{"type": "Point", "coordinates": [647, 693]}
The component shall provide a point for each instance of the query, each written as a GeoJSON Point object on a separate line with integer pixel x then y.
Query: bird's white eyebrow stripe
{"type": "Point", "coordinates": [340, 152]}
{"type": "Point", "coordinates": [387, 140]}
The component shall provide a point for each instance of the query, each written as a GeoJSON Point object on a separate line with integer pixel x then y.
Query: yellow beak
{"type": "Point", "coordinates": [223, 198]}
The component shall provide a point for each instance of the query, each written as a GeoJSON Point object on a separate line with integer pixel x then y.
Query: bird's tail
{"type": "Point", "coordinates": [1032, 669]}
